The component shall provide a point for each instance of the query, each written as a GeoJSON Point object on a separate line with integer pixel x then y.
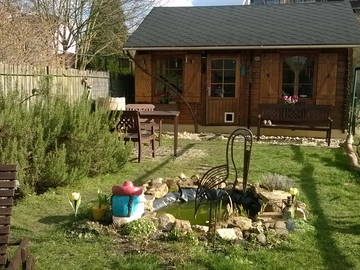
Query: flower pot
{"type": "Point", "coordinates": [98, 213]}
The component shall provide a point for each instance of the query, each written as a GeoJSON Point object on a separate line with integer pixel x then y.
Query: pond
{"type": "Point", "coordinates": [185, 211]}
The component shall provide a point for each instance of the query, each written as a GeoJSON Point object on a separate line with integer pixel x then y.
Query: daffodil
{"type": "Point", "coordinates": [294, 191]}
{"type": "Point", "coordinates": [75, 196]}
{"type": "Point", "coordinates": [75, 201]}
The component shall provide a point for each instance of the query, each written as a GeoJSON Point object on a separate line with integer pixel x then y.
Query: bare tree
{"type": "Point", "coordinates": [25, 39]}
{"type": "Point", "coordinates": [81, 22]}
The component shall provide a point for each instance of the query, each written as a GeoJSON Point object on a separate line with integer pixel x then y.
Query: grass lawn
{"type": "Point", "coordinates": [331, 239]}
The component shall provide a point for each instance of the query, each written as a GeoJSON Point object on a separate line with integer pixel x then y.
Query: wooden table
{"type": "Point", "coordinates": [172, 115]}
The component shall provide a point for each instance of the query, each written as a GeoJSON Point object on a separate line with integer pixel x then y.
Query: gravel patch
{"type": "Point", "coordinates": [280, 140]}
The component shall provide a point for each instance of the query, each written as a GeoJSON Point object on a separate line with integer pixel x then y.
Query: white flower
{"type": "Point", "coordinates": [182, 176]}
{"type": "Point", "coordinates": [294, 191]}
{"type": "Point", "coordinates": [75, 196]}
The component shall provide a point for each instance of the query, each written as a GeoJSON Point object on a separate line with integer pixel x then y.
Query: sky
{"type": "Point", "coordinates": [175, 3]}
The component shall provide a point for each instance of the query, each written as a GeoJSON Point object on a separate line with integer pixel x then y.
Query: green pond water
{"type": "Point", "coordinates": [185, 211]}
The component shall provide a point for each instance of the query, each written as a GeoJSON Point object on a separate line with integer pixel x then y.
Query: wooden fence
{"type": "Point", "coordinates": [71, 83]}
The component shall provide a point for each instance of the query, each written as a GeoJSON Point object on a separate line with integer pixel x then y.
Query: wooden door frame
{"type": "Point", "coordinates": [211, 57]}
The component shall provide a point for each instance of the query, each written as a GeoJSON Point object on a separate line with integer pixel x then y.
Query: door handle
{"type": "Point", "coordinates": [209, 91]}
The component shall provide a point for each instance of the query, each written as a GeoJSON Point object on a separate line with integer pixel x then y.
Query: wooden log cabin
{"type": "Point", "coordinates": [226, 60]}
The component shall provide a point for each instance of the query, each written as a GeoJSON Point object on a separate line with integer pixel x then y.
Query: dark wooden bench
{"type": "Point", "coordinates": [22, 259]}
{"type": "Point", "coordinates": [295, 117]}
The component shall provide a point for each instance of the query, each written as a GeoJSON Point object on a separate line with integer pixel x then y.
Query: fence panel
{"type": "Point", "coordinates": [71, 83]}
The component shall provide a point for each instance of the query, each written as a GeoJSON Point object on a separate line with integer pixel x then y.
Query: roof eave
{"type": "Point", "coordinates": [178, 48]}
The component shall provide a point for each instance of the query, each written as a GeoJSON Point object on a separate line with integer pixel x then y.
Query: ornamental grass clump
{"type": "Point", "coordinates": [55, 142]}
{"type": "Point", "coordinates": [276, 182]}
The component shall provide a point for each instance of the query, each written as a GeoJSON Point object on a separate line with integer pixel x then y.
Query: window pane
{"type": "Point", "coordinates": [288, 74]}
{"type": "Point", "coordinates": [170, 68]}
{"type": "Point", "coordinates": [175, 63]}
{"type": "Point", "coordinates": [223, 78]}
{"type": "Point", "coordinates": [229, 76]}
{"type": "Point", "coordinates": [160, 88]}
{"type": "Point", "coordinates": [217, 90]}
{"type": "Point", "coordinates": [229, 90]}
{"type": "Point", "coordinates": [229, 64]}
{"type": "Point", "coordinates": [298, 76]}
{"type": "Point", "coordinates": [216, 76]}
{"type": "Point", "coordinates": [306, 75]}
{"type": "Point", "coordinates": [217, 64]}
{"type": "Point", "coordinates": [288, 89]}
{"type": "Point", "coordinates": [305, 90]}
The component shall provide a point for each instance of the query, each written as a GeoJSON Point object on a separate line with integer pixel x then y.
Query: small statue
{"type": "Point", "coordinates": [127, 202]}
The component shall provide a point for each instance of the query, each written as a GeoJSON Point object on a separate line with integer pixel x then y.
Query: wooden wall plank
{"type": "Point", "coordinates": [143, 81]}
{"type": "Point", "coordinates": [269, 80]}
{"type": "Point", "coordinates": [192, 78]}
{"type": "Point", "coordinates": [326, 79]}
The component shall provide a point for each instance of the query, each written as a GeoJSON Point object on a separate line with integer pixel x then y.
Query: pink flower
{"type": "Point", "coordinates": [290, 99]}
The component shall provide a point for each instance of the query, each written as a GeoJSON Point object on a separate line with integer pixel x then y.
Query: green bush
{"type": "Point", "coordinates": [190, 237]}
{"type": "Point", "coordinates": [138, 229]}
{"type": "Point", "coordinates": [55, 142]}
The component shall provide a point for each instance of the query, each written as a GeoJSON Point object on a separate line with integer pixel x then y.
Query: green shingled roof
{"type": "Point", "coordinates": [319, 24]}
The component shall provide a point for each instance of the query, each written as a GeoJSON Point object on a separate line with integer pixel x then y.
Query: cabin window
{"type": "Point", "coordinates": [298, 76]}
{"type": "Point", "coordinates": [171, 69]}
{"type": "Point", "coordinates": [223, 78]}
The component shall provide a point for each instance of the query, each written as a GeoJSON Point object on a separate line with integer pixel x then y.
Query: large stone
{"type": "Point", "coordinates": [243, 223]}
{"type": "Point", "coordinates": [274, 199]}
{"type": "Point", "coordinates": [239, 185]}
{"type": "Point", "coordinates": [182, 226]}
{"type": "Point", "coordinates": [261, 238]}
{"type": "Point", "coordinates": [239, 233]}
{"type": "Point", "coordinates": [149, 201]}
{"type": "Point", "coordinates": [280, 228]}
{"type": "Point", "coordinates": [187, 183]}
{"type": "Point", "coordinates": [200, 228]}
{"type": "Point", "coordinates": [269, 218]}
{"type": "Point", "coordinates": [172, 184]}
{"type": "Point", "coordinates": [157, 181]}
{"type": "Point", "coordinates": [258, 227]}
{"type": "Point", "coordinates": [157, 190]}
{"type": "Point", "coordinates": [300, 213]}
{"type": "Point", "coordinates": [195, 178]}
{"type": "Point", "coordinates": [228, 234]}
{"type": "Point", "coordinates": [166, 222]}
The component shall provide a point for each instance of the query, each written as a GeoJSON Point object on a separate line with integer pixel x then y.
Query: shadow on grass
{"type": "Point", "coordinates": [141, 178]}
{"type": "Point", "coordinates": [61, 219]}
{"type": "Point", "coordinates": [332, 255]}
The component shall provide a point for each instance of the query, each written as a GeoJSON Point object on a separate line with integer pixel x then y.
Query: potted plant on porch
{"type": "Point", "coordinates": [290, 99]}
{"type": "Point", "coordinates": [99, 210]}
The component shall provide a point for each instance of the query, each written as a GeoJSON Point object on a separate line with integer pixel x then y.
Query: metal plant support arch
{"type": "Point", "coordinates": [208, 187]}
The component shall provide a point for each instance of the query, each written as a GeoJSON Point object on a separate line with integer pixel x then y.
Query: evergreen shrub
{"type": "Point", "coordinates": [55, 142]}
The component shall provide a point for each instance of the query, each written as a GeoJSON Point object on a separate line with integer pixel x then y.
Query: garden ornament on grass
{"type": "Point", "coordinates": [208, 187]}
{"type": "Point", "coordinates": [291, 205]}
{"type": "Point", "coordinates": [127, 202]}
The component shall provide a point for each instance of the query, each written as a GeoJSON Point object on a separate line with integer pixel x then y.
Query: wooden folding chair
{"type": "Point", "coordinates": [130, 126]}
{"type": "Point", "coordinates": [144, 122]}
